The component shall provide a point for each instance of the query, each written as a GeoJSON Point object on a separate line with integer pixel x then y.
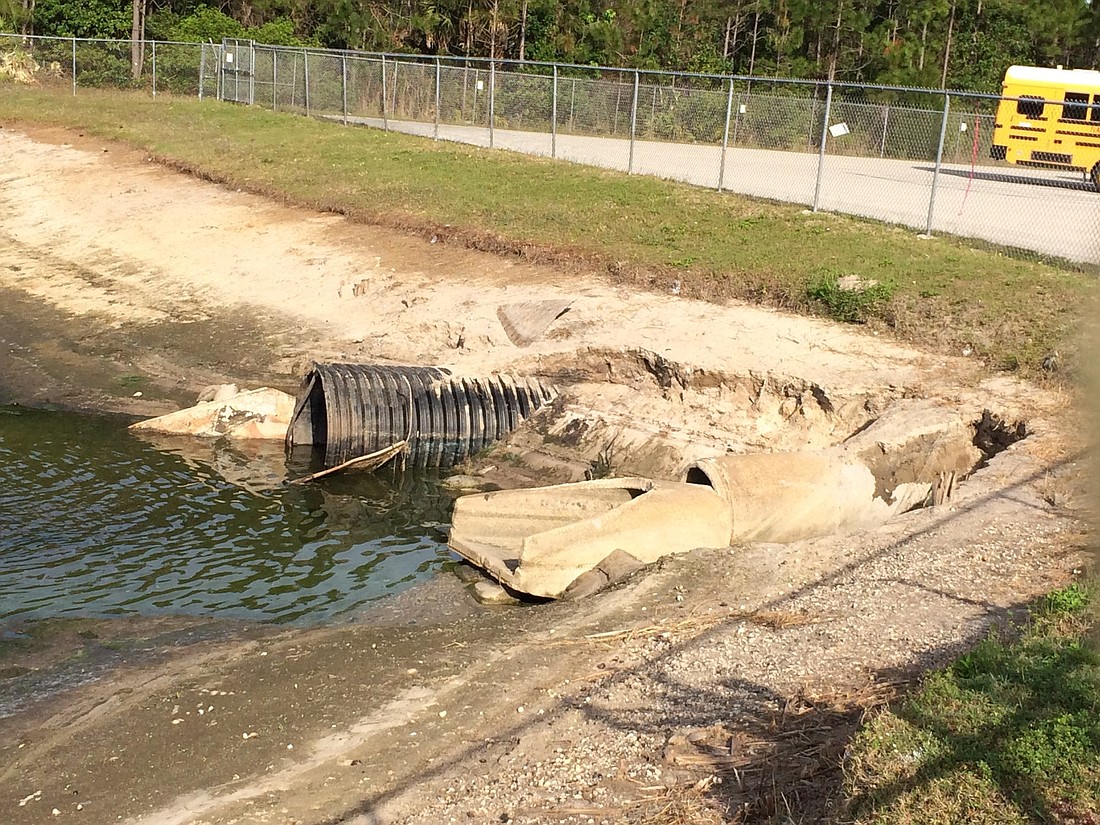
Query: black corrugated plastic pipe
{"type": "Point", "coordinates": [351, 410]}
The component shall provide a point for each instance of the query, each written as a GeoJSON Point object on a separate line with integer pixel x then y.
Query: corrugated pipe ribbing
{"type": "Point", "coordinates": [355, 409]}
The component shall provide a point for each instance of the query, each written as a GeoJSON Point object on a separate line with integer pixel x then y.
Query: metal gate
{"type": "Point", "coordinates": [236, 71]}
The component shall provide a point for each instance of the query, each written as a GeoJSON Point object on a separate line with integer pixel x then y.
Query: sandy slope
{"type": "Point", "coordinates": [112, 268]}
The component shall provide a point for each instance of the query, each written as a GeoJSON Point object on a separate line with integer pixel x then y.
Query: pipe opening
{"type": "Point", "coordinates": [696, 475]}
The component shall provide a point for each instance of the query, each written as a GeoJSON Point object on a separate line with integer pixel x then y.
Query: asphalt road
{"type": "Point", "coordinates": [1046, 211]}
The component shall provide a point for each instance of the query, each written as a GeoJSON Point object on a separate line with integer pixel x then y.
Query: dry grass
{"type": "Point", "coordinates": [783, 767]}
{"type": "Point", "coordinates": [690, 803]}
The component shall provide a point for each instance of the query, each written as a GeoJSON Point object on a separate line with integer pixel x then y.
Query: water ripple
{"type": "Point", "coordinates": [95, 522]}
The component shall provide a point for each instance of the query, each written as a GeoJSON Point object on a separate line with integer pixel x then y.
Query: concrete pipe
{"type": "Point", "coordinates": [783, 497]}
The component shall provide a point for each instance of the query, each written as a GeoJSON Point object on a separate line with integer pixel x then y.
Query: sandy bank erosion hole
{"type": "Point", "coordinates": [651, 416]}
{"type": "Point", "coordinates": [993, 434]}
{"type": "Point", "coordinates": [940, 455]}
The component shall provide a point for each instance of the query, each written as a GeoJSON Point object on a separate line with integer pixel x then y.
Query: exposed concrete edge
{"type": "Point", "coordinates": [539, 541]}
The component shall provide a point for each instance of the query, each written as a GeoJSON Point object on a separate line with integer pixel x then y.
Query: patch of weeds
{"type": "Point", "coordinates": [1071, 600]}
{"type": "Point", "coordinates": [131, 380]}
{"type": "Point", "coordinates": [852, 305]}
{"type": "Point", "coordinates": [603, 465]}
{"type": "Point", "coordinates": [1008, 733]}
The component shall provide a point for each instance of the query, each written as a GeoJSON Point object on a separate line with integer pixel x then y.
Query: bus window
{"type": "Point", "coordinates": [1094, 116]}
{"type": "Point", "coordinates": [1030, 106]}
{"type": "Point", "coordinates": [1076, 106]}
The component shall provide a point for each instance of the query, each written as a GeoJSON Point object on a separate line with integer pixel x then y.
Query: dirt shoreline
{"type": "Point", "coordinates": [118, 276]}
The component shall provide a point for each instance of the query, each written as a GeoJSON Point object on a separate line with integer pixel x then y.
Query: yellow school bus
{"type": "Point", "coordinates": [1053, 122]}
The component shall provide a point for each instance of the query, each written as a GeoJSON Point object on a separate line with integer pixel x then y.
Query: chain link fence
{"type": "Point", "coordinates": [914, 157]}
{"type": "Point", "coordinates": [76, 63]}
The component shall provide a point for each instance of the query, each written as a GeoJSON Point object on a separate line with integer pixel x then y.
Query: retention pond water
{"type": "Point", "coordinates": [97, 522]}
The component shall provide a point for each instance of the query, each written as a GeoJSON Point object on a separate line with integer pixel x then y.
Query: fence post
{"type": "Point", "coordinates": [554, 116]}
{"type": "Point", "coordinates": [251, 72]}
{"type": "Point", "coordinates": [438, 96]}
{"type": "Point", "coordinates": [154, 68]}
{"type": "Point", "coordinates": [821, 148]}
{"type": "Point", "coordinates": [885, 123]}
{"type": "Point", "coordinates": [74, 67]}
{"type": "Point", "coordinates": [385, 91]}
{"type": "Point", "coordinates": [305, 78]}
{"type": "Point", "coordinates": [633, 125]}
{"type": "Point", "coordinates": [274, 80]}
{"type": "Point", "coordinates": [492, 99]}
{"type": "Point", "coordinates": [725, 138]}
{"type": "Point", "coordinates": [939, 163]}
{"type": "Point", "coordinates": [344, 83]}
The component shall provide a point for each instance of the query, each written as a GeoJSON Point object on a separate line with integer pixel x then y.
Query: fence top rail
{"type": "Point", "coordinates": [791, 81]}
{"type": "Point", "coordinates": [816, 83]}
{"type": "Point", "coordinates": [124, 41]}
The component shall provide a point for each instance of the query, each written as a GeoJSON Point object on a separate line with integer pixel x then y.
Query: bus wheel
{"type": "Point", "coordinates": [1095, 175]}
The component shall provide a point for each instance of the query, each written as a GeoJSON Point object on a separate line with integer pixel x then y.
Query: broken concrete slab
{"type": "Point", "coordinates": [540, 541]}
{"type": "Point", "coordinates": [920, 440]}
{"type": "Point", "coordinates": [526, 321]}
{"type": "Point", "coordinates": [254, 414]}
{"type": "Point", "coordinates": [616, 567]}
{"type": "Point", "coordinates": [217, 392]}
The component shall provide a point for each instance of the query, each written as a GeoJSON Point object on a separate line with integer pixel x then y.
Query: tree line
{"type": "Point", "coordinates": [928, 43]}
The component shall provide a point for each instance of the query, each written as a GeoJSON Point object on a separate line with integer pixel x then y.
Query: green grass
{"type": "Point", "coordinates": [1010, 733]}
{"type": "Point", "coordinates": [945, 294]}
